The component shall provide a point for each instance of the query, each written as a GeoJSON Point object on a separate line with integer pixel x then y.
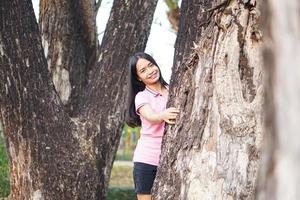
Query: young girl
{"type": "Point", "coordinates": [147, 100]}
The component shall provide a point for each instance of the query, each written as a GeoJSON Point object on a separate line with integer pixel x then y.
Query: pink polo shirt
{"type": "Point", "coordinates": [149, 144]}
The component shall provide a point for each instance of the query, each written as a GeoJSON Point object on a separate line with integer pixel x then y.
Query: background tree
{"type": "Point", "coordinates": [53, 155]}
{"type": "Point", "coordinates": [213, 151]}
{"type": "Point", "coordinates": [173, 13]}
{"type": "Point", "coordinates": [279, 174]}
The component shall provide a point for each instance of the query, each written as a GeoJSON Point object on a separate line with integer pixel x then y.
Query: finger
{"type": "Point", "coordinates": [172, 116]}
{"type": "Point", "coordinates": [170, 122]}
{"type": "Point", "coordinates": [175, 111]}
{"type": "Point", "coordinates": [175, 108]}
{"type": "Point", "coordinates": [172, 108]}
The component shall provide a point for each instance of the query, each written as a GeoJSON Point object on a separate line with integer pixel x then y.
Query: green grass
{"type": "Point", "coordinates": [121, 194]}
{"type": "Point", "coordinates": [121, 176]}
{"type": "Point", "coordinates": [121, 185]}
{"type": "Point", "coordinates": [4, 180]}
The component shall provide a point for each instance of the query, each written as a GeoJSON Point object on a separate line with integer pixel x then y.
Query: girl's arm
{"type": "Point", "coordinates": [168, 115]}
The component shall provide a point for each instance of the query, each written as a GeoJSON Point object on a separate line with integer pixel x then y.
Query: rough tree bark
{"type": "Point", "coordinates": [213, 151]}
{"type": "Point", "coordinates": [41, 139]}
{"type": "Point", "coordinates": [190, 25]}
{"type": "Point", "coordinates": [69, 37]}
{"type": "Point", "coordinates": [54, 156]}
{"type": "Point", "coordinates": [279, 174]}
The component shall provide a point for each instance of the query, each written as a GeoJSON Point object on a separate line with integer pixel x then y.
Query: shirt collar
{"type": "Point", "coordinates": [154, 93]}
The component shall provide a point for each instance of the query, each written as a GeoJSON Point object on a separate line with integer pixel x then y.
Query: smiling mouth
{"type": "Point", "coordinates": [153, 75]}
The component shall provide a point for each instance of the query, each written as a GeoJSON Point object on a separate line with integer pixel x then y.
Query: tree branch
{"type": "Point", "coordinates": [98, 4]}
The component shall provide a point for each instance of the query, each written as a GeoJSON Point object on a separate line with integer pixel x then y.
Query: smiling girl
{"type": "Point", "coordinates": [147, 99]}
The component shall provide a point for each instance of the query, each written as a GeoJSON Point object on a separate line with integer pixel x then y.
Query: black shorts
{"type": "Point", "coordinates": [143, 176]}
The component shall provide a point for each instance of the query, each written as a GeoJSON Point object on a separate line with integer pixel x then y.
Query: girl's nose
{"type": "Point", "coordinates": [149, 71]}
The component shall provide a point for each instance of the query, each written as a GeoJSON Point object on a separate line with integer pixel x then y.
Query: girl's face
{"type": "Point", "coordinates": [147, 71]}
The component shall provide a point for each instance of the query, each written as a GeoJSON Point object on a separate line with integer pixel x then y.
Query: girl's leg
{"type": "Point", "coordinates": [143, 175]}
{"type": "Point", "coordinates": [144, 197]}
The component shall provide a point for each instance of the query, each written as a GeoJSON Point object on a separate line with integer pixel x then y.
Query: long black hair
{"type": "Point", "coordinates": [135, 86]}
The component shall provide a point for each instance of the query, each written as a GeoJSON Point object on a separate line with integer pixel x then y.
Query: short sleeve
{"type": "Point", "coordinates": [140, 100]}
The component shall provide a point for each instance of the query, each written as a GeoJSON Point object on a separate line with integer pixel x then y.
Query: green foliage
{"type": "Point", "coordinates": [172, 4]}
{"type": "Point", "coordinates": [4, 180]}
{"type": "Point", "coordinates": [124, 156]}
{"type": "Point", "coordinates": [127, 143]}
{"type": "Point", "coordinates": [121, 194]}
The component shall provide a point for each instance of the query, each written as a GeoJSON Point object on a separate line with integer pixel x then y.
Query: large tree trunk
{"type": "Point", "coordinates": [279, 175]}
{"type": "Point", "coordinates": [46, 160]}
{"type": "Point", "coordinates": [69, 37]}
{"type": "Point", "coordinates": [213, 150]}
{"type": "Point", "coordinates": [53, 156]}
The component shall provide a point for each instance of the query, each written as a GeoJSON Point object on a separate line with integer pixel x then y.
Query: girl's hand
{"type": "Point", "coordinates": [169, 115]}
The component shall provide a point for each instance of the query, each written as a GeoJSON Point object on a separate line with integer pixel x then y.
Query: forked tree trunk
{"type": "Point", "coordinates": [279, 174]}
{"type": "Point", "coordinates": [53, 156]}
{"type": "Point", "coordinates": [69, 37]}
{"type": "Point", "coordinates": [46, 161]}
{"type": "Point", "coordinates": [213, 151]}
